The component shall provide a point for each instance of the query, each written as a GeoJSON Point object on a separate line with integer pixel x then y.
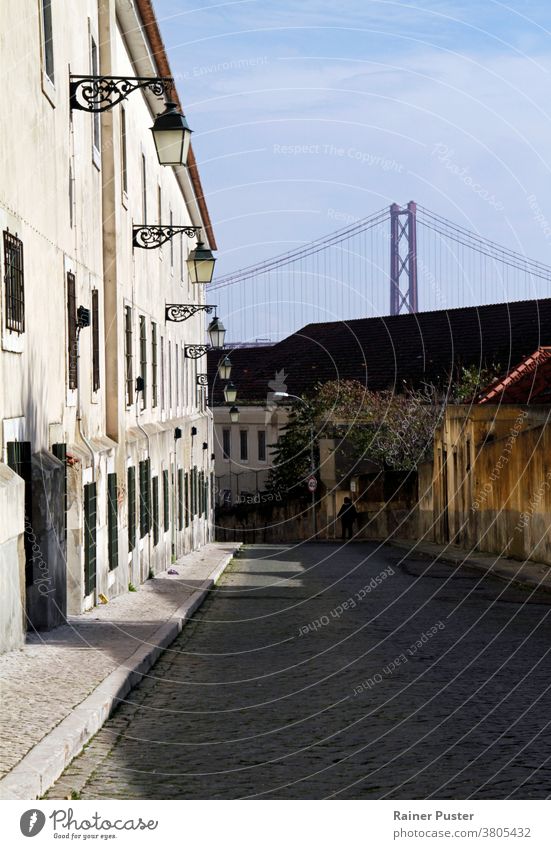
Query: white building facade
{"type": "Point", "coordinates": [106, 438]}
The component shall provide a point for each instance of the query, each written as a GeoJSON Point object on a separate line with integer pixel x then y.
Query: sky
{"type": "Point", "coordinates": [310, 114]}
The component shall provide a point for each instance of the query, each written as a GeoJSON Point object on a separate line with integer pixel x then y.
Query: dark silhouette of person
{"type": "Point", "coordinates": [348, 515]}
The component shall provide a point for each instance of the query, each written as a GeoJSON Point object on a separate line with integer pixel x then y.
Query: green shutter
{"type": "Point", "coordinates": [112, 521]}
{"type": "Point", "coordinates": [131, 474]}
{"type": "Point", "coordinates": [90, 508]}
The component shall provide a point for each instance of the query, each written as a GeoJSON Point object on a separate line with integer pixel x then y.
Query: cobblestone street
{"type": "Point", "coordinates": [319, 671]}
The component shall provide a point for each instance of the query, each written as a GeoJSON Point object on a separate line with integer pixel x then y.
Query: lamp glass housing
{"type": "Point", "coordinates": [230, 393]}
{"type": "Point", "coordinates": [224, 369]}
{"type": "Point", "coordinates": [234, 415]}
{"type": "Point", "coordinates": [200, 264]}
{"type": "Point", "coordinates": [216, 332]}
{"type": "Point", "coordinates": [172, 136]}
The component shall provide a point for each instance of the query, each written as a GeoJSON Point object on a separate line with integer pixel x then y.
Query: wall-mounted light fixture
{"type": "Point", "coordinates": [234, 414]}
{"type": "Point", "coordinates": [224, 369]}
{"type": "Point", "coordinates": [181, 312]}
{"type": "Point", "coordinates": [150, 236]}
{"type": "Point", "coordinates": [171, 132]}
{"type": "Point", "coordinates": [200, 264]}
{"type": "Point", "coordinates": [230, 393]}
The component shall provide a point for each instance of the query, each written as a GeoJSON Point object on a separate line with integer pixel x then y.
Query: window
{"type": "Point", "coordinates": [145, 498]}
{"type": "Point", "coordinates": [171, 222]}
{"type": "Point", "coordinates": [166, 504]}
{"type": "Point", "coordinates": [95, 340]}
{"type": "Point", "coordinates": [186, 497]}
{"type": "Point", "coordinates": [131, 481]}
{"type": "Point", "coordinates": [155, 498]}
{"type": "Point", "coordinates": [112, 522]}
{"type": "Point", "coordinates": [169, 376]}
{"type": "Point", "coordinates": [154, 387]}
{"type": "Point", "coordinates": [19, 459]}
{"type": "Point", "coordinates": [47, 40]}
{"type": "Point", "coordinates": [181, 498]}
{"type": "Point", "coordinates": [262, 445]}
{"type": "Point", "coordinates": [162, 374]}
{"type": "Point", "coordinates": [194, 491]}
{"type": "Point", "coordinates": [90, 548]}
{"type": "Point", "coordinates": [177, 374]}
{"type": "Point", "coordinates": [72, 341]}
{"type": "Point", "coordinates": [226, 443]}
{"type": "Point", "coordinates": [144, 190]}
{"type": "Point", "coordinates": [94, 69]}
{"type": "Point", "coordinates": [13, 278]}
{"type": "Point", "coordinates": [244, 444]}
{"type": "Point", "coordinates": [124, 160]}
{"type": "Point", "coordinates": [128, 343]}
{"type": "Point", "coordinates": [143, 359]}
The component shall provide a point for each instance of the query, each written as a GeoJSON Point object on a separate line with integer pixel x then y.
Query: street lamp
{"type": "Point", "coordinates": [224, 369]}
{"type": "Point", "coordinates": [217, 333]}
{"type": "Point", "coordinates": [234, 414]}
{"type": "Point", "coordinates": [230, 393]}
{"type": "Point", "coordinates": [200, 264]}
{"type": "Point", "coordinates": [171, 135]}
{"type": "Point", "coordinates": [312, 462]}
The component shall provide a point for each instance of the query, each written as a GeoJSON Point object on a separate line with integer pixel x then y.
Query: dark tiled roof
{"type": "Point", "coordinates": [391, 352]}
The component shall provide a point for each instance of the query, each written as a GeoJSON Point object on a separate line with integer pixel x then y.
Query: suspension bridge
{"type": "Point", "coordinates": [399, 259]}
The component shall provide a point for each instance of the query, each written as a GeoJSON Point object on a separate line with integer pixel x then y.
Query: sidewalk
{"type": "Point", "coordinates": [57, 691]}
{"type": "Point", "coordinates": [526, 573]}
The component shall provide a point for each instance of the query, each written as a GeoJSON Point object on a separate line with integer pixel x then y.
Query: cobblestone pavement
{"type": "Point", "coordinates": [318, 671]}
{"type": "Point", "coordinates": [55, 671]}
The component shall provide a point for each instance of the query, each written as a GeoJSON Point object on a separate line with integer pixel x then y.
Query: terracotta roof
{"type": "Point", "coordinates": [154, 37]}
{"type": "Point", "coordinates": [528, 383]}
{"type": "Point", "coordinates": [392, 351]}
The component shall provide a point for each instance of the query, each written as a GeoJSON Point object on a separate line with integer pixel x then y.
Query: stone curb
{"type": "Point", "coordinates": [511, 571]}
{"type": "Point", "coordinates": [46, 761]}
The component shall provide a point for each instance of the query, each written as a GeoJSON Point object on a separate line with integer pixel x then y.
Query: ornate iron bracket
{"type": "Point", "coordinates": [194, 352]}
{"type": "Point", "coordinates": [181, 312]}
{"type": "Point", "coordinates": [154, 235]}
{"type": "Point", "coordinates": [202, 380]}
{"type": "Point", "coordinates": [98, 94]}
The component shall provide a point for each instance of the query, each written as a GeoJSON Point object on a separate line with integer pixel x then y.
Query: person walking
{"type": "Point", "coordinates": [348, 515]}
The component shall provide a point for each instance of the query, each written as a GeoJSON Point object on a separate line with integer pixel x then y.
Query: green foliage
{"type": "Point", "coordinates": [131, 587]}
{"type": "Point", "coordinates": [471, 381]}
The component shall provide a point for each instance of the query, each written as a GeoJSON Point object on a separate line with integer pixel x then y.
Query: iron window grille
{"type": "Point", "coordinates": [14, 283]}
{"type": "Point", "coordinates": [154, 365]}
{"type": "Point", "coordinates": [143, 358]}
{"type": "Point", "coordinates": [186, 492]}
{"type": "Point", "coordinates": [145, 498]}
{"type": "Point", "coordinates": [112, 522]}
{"type": "Point", "coordinates": [155, 499]}
{"type": "Point", "coordinates": [95, 341]}
{"type": "Point", "coordinates": [128, 342]}
{"type": "Point", "coordinates": [181, 499]}
{"type": "Point", "coordinates": [72, 342]}
{"type": "Point", "coordinates": [166, 502]}
{"type": "Point", "coordinates": [131, 484]}
{"type": "Point", "coordinates": [244, 444]}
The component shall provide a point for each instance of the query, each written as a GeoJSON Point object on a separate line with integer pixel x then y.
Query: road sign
{"type": "Point", "coordinates": [312, 483]}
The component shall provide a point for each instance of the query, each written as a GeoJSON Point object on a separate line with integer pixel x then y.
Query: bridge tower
{"type": "Point", "coordinates": [403, 258]}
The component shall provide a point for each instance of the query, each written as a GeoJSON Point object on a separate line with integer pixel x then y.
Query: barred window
{"type": "Point", "coordinates": [128, 355]}
{"type": "Point", "coordinates": [72, 359]}
{"type": "Point", "coordinates": [13, 277]}
{"type": "Point", "coordinates": [95, 341]}
{"type": "Point", "coordinates": [143, 358]}
{"type": "Point", "coordinates": [154, 367]}
{"type": "Point", "coordinates": [226, 442]}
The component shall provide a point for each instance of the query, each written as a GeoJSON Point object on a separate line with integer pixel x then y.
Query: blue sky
{"type": "Point", "coordinates": [418, 95]}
